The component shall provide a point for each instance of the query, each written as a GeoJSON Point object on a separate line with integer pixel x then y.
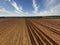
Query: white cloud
{"type": "Point", "coordinates": [6, 13]}
{"type": "Point", "coordinates": [3, 10]}
{"type": "Point", "coordinates": [51, 8]}
{"type": "Point", "coordinates": [55, 11]}
{"type": "Point", "coordinates": [9, 0]}
{"type": "Point", "coordinates": [35, 6]}
{"type": "Point", "coordinates": [18, 8]}
{"type": "Point", "coordinates": [49, 4]}
{"type": "Point", "coordinates": [51, 11]}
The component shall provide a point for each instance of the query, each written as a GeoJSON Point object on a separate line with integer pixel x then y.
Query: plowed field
{"type": "Point", "coordinates": [27, 31]}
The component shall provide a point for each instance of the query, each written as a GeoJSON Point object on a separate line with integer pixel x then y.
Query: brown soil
{"type": "Point", "coordinates": [21, 31]}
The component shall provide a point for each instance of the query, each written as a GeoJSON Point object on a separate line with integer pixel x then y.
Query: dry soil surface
{"type": "Point", "coordinates": [27, 31]}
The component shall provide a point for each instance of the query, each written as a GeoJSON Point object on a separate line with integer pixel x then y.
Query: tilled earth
{"type": "Point", "coordinates": [27, 31]}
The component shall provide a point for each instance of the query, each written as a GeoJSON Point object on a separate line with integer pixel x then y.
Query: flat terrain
{"type": "Point", "coordinates": [27, 31]}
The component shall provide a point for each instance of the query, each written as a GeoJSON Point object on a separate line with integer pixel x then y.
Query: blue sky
{"type": "Point", "coordinates": [29, 7]}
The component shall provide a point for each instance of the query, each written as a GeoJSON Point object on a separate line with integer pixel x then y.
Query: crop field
{"type": "Point", "coordinates": [29, 31]}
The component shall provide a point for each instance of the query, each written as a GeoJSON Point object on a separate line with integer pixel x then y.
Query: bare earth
{"type": "Point", "coordinates": [21, 31]}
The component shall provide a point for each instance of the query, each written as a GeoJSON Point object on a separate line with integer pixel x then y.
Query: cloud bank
{"type": "Point", "coordinates": [35, 6]}
{"type": "Point", "coordinates": [51, 9]}
{"type": "Point", "coordinates": [18, 8]}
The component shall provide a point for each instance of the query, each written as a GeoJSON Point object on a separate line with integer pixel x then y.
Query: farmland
{"type": "Point", "coordinates": [29, 31]}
